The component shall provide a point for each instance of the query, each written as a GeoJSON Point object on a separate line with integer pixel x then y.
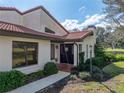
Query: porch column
{"type": "Point", "coordinates": [75, 55]}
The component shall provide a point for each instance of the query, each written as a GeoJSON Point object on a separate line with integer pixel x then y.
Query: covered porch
{"type": "Point", "coordinates": [65, 55]}
{"type": "Point", "coordinates": [65, 52]}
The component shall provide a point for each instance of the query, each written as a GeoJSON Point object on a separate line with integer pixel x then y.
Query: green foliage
{"type": "Point", "coordinates": [99, 51]}
{"type": "Point", "coordinates": [109, 57]}
{"type": "Point", "coordinates": [97, 70]}
{"type": "Point", "coordinates": [101, 57]}
{"type": "Point", "coordinates": [81, 57]}
{"type": "Point", "coordinates": [96, 61]}
{"type": "Point", "coordinates": [97, 73]}
{"type": "Point", "coordinates": [119, 57]}
{"type": "Point", "coordinates": [85, 75]}
{"type": "Point", "coordinates": [11, 80]}
{"type": "Point", "coordinates": [97, 76]}
{"type": "Point", "coordinates": [36, 75]}
{"type": "Point", "coordinates": [82, 66]}
{"type": "Point", "coordinates": [73, 77]}
{"type": "Point", "coordinates": [50, 68]}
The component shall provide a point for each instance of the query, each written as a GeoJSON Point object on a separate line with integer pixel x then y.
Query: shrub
{"type": "Point", "coordinates": [96, 61]}
{"type": "Point", "coordinates": [99, 51]}
{"type": "Point", "coordinates": [119, 57]}
{"type": "Point", "coordinates": [50, 68]}
{"type": "Point", "coordinates": [97, 70]}
{"type": "Point", "coordinates": [82, 65]}
{"type": "Point", "coordinates": [74, 70]}
{"type": "Point", "coordinates": [85, 75]}
{"type": "Point", "coordinates": [73, 77]}
{"type": "Point", "coordinates": [11, 80]}
{"type": "Point", "coordinates": [81, 57]}
{"type": "Point", "coordinates": [36, 75]}
{"type": "Point", "coordinates": [109, 57]}
{"type": "Point", "coordinates": [97, 76]}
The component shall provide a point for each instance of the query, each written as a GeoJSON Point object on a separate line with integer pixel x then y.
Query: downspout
{"type": "Point", "coordinates": [77, 53]}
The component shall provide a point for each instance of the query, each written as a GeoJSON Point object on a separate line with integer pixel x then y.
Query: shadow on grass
{"type": "Point", "coordinates": [112, 91]}
{"type": "Point", "coordinates": [113, 70]}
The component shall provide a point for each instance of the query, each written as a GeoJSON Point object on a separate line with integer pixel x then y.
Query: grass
{"type": "Point", "coordinates": [114, 50]}
{"type": "Point", "coordinates": [114, 68]}
{"type": "Point", "coordinates": [114, 85]}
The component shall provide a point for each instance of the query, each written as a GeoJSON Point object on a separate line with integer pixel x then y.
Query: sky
{"type": "Point", "coordinates": [70, 13]}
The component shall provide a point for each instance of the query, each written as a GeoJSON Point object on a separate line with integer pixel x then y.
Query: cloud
{"type": "Point", "coordinates": [70, 24]}
{"type": "Point", "coordinates": [95, 19]}
{"type": "Point", "coordinates": [87, 16]}
{"type": "Point", "coordinates": [82, 9]}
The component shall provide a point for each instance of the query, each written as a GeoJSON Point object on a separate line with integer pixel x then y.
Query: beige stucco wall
{"type": "Point", "coordinates": [90, 40]}
{"type": "Point", "coordinates": [46, 21]}
{"type": "Point", "coordinates": [6, 54]}
{"type": "Point", "coordinates": [36, 20]}
{"type": "Point", "coordinates": [11, 17]}
{"type": "Point", "coordinates": [33, 20]}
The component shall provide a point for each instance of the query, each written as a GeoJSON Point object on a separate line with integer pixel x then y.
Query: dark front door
{"type": "Point", "coordinates": [66, 53]}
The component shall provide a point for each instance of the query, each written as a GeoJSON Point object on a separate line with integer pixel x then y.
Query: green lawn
{"type": "Point", "coordinates": [114, 68]}
{"type": "Point", "coordinates": [114, 50]}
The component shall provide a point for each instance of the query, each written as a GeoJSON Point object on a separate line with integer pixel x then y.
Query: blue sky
{"type": "Point", "coordinates": [75, 11]}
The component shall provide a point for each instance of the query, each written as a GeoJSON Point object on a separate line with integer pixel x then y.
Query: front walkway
{"type": "Point", "coordinates": [41, 84]}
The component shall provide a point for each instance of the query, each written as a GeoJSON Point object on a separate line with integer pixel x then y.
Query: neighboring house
{"type": "Point", "coordinates": [30, 39]}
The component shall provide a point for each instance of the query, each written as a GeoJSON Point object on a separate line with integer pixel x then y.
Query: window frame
{"type": "Point", "coordinates": [27, 63]}
{"type": "Point", "coordinates": [80, 48]}
{"type": "Point", "coordinates": [52, 51]}
{"type": "Point", "coordinates": [87, 50]}
{"type": "Point", "coordinates": [47, 30]}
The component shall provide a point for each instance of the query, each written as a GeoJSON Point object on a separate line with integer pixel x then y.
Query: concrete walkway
{"type": "Point", "coordinates": [41, 84]}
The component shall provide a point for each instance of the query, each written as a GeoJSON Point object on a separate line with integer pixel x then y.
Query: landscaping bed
{"type": "Point", "coordinates": [56, 87]}
{"type": "Point", "coordinates": [83, 82]}
{"type": "Point", "coordinates": [110, 86]}
{"type": "Point", "coordinates": [13, 79]}
{"type": "Point", "coordinates": [114, 84]}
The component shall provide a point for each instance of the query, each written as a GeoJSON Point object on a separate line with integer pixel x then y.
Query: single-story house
{"type": "Point", "coordinates": [32, 38]}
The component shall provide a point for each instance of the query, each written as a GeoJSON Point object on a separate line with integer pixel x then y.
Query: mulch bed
{"type": "Point", "coordinates": [56, 87]}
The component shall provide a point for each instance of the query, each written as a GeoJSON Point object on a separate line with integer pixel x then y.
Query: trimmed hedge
{"type": "Point", "coordinates": [50, 68]}
{"type": "Point", "coordinates": [35, 76]}
{"type": "Point", "coordinates": [11, 80]}
{"type": "Point", "coordinates": [110, 57]}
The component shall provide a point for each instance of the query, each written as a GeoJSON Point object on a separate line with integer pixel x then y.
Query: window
{"type": "Point", "coordinates": [80, 47]}
{"type": "Point", "coordinates": [49, 31]}
{"type": "Point", "coordinates": [24, 54]}
{"type": "Point", "coordinates": [52, 51]}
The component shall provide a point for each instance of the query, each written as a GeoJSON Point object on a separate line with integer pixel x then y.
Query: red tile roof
{"type": "Point", "coordinates": [30, 10]}
{"type": "Point", "coordinates": [8, 27]}
{"type": "Point", "coordinates": [78, 35]}
{"type": "Point", "coordinates": [72, 36]}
